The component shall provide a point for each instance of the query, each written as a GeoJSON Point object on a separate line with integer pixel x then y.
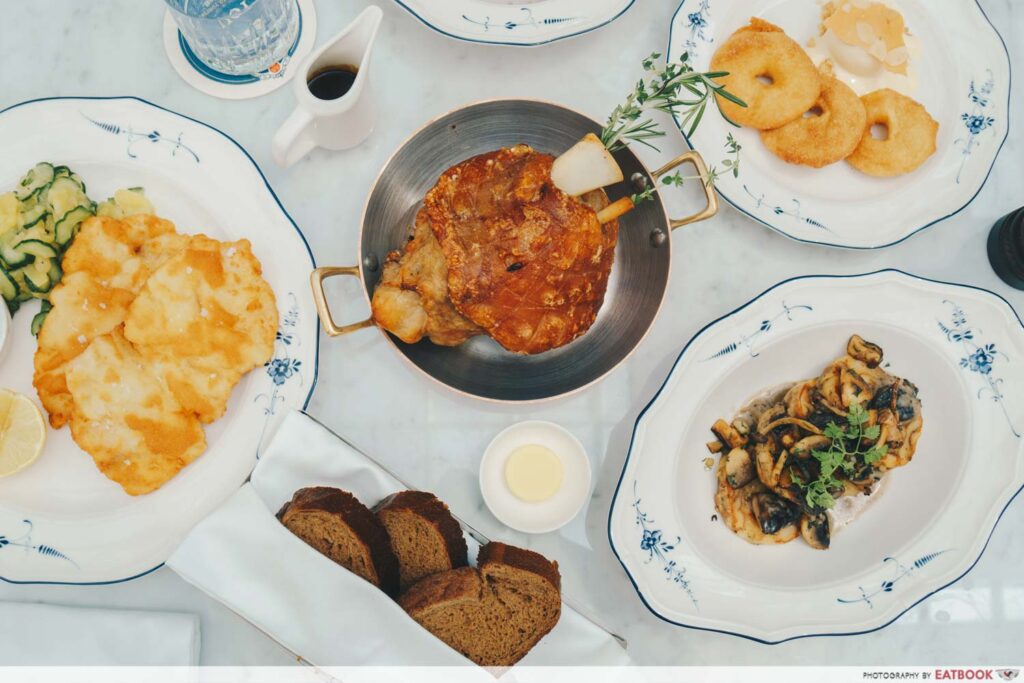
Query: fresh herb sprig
{"type": "Point", "coordinates": [675, 87]}
{"type": "Point", "coordinates": [731, 164]}
{"type": "Point", "coordinates": [843, 457]}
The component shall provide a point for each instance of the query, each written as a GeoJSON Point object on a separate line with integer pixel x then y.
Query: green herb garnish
{"type": "Point", "coordinates": [674, 87]}
{"type": "Point", "coordinates": [843, 456]}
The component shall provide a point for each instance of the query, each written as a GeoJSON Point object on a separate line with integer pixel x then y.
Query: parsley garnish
{"type": "Point", "coordinates": [842, 457]}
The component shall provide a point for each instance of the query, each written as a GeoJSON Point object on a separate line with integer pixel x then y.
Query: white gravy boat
{"type": "Point", "coordinates": [336, 124]}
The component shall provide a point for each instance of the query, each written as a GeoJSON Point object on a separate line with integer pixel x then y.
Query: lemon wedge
{"type": "Point", "coordinates": [22, 432]}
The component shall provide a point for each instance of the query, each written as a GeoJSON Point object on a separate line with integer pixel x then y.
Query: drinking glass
{"type": "Point", "coordinates": [238, 37]}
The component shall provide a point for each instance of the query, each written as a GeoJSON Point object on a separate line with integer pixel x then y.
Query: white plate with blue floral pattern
{"type": "Point", "coordinates": [962, 346]}
{"type": "Point", "coordinates": [963, 76]}
{"type": "Point", "coordinates": [61, 520]}
{"type": "Point", "coordinates": [507, 22]}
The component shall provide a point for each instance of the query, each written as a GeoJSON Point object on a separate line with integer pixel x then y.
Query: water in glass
{"type": "Point", "coordinates": [238, 36]}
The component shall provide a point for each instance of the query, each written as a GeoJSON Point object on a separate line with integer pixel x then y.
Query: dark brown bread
{"type": "Point", "coordinates": [337, 525]}
{"type": "Point", "coordinates": [493, 614]}
{"type": "Point", "coordinates": [425, 537]}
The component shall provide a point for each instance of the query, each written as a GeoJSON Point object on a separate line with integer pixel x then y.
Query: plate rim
{"type": "Point", "coordinates": [512, 43]}
{"type": "Point", "coordinates": [277, 200]}
{"type": "Point", "coordinates": [657, 395]}
{"type": "Point", "coordinates": [803, 240]}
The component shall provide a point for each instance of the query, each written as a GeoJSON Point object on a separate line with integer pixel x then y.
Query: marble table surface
{"type": "Point", "coordinates": [435, 439]}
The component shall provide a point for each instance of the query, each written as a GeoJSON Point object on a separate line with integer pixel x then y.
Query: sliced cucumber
{"type": "Point", "coordinates": [37, 248]}
{"type": "Point", "coordinates": [55, 271]}
{"type": "Point", "coordinates": [64, 195]}
{"type": "Point", "coordinates": [67, 227]}
{"type": "Point", "coordinates": [36, 281]}
{"type": "Point", "coordinates": [33, 215]}
{"type": "Point", "coordinates": [35, 181]}
{"type": "Point", "coordinates": [40, 317]}
{"type": "Point", "coordinates": [13, 258]}
{"type": "Point", "coordinates": [8, 287]}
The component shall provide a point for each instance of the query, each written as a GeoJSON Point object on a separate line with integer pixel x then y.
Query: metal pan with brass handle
{"type": "Point", "coordinates": [323, 309]}
{"type": "Point", "coordinates": [694, 158]}
{"type": "Point", "coordinates": [479, 367]}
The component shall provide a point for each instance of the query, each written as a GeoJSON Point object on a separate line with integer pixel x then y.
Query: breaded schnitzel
{"type": "Point", "coordinates": [126, 419]}
{"type": "Point", "coordinates": [104, 269]}
{"type": "Point", "coordinates": [149, 332]}
{"type": "Point", "coordinates": [203, 320]}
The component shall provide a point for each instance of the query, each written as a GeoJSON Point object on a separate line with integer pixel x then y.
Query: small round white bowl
{"type": "Point", "coordinates": [5, 329]}
{"type": "Point", "coordinates": [553, 513]}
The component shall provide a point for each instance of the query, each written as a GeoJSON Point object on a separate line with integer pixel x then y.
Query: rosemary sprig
{"type": "Point", "coordinates": [730, 164]}
{"type": "Point", "coordinates": [675, 87]}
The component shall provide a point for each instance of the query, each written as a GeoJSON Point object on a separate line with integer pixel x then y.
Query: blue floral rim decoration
{"type": "Point", "coordinates": [696, 22]}
{"type": "Point", "coordinates": [239, 79]}
{"type": "Point", "coordinates": [900, 572]}
{"type": "Point", "coordinates": [510, 26]}
{"type": "Point", "coordinates": [657, 394]}
{"type": "Point", "coordinates": [748, 341]}
{"type": "Point", "coordinates": [658, 548]}
{"type": "Point", "coordinates": [284, 212]}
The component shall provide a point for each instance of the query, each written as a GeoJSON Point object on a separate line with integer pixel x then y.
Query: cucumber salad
{"type": "Point", "coordinates": [38, 222]}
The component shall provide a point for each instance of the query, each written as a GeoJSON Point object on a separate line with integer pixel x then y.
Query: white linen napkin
{"type": "Point", "coordinates": [33, 634]}
{"type": "Point", "coordinates": [242, 556]}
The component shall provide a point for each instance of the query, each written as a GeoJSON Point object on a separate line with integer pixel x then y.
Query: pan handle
{"type": "Point", "coordinates": [316, 281]}
{"type": "Point", "coordinates": [693, 157]}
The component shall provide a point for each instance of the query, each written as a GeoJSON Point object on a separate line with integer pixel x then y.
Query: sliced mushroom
{"type": "Point", "coordinates": [883, 398]}
{"type": "Point", "coordinates": [803, 447]}
{"type": "Point", "coordinates": [798, 399]}
{"type": "Point", "coordinates": [864, 351]}
{"type": "Point", "coordinates": [773, 513]}
{"type": "Point", "coordinates": [802, 424]}
{"type": "Point", "coordinates": [907, 402]}
{"type": "Point", "coordinates": [828, 388]}
{"type": "Point", "coordinates": [729, 436]}
{"type": "Point", "coordinates": [816, 530]}
{"type": "Point", "coordinates": [764, 458]}
{"type": "Point", "coordinates": [739, 468]}
{"type": "Point", "coordinates": [742, 426]}
{"type": "Point", "coordinates": [769, 416]}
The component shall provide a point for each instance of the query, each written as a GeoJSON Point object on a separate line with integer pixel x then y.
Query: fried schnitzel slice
{"type": "Point", "coordinates": [104, 269]}
{"type": "Point", "coordinates": [202, 320]}
{"type": "Point", "coordinates": [126, 418]}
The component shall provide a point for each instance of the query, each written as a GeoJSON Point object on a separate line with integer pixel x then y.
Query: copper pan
{"type": "Point", "coordinates": [480, 367]}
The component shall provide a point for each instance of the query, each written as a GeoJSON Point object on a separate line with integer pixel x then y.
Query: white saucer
{"type": "Point", "coordinates": [231, 87]}
{"type": "Point", "coordinates": [557, 511]}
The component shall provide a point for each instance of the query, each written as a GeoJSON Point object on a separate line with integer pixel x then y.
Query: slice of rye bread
{"type": "Point", "coordinates": [494, 613]}
{"type": "Point", "coordinates": [424, 535]}
{"type": "Point", "coordinates": [337, 525]}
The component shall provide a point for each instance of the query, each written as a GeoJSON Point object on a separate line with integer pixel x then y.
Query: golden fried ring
{"type": "Point", "coordinates": [826, 138]}
{"type": "Point", "coordinates": [763, 50]}
{"type": "Point", "coordinates": [911, 138]}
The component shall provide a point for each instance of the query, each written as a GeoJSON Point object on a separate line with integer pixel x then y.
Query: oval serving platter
{"type": "Point", "coordinates": [507, 22]}
{"type": "Point", "coordinates": [61, 520]}
{"type": "Point", "coordinates": [963, 75]}
{"type": "Point", "coordinates": [925, 529]}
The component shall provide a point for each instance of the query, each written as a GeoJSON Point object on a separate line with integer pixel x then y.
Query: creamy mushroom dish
{"type": "Point", "coordinates": [790, 455]}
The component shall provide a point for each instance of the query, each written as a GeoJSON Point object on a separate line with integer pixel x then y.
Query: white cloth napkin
{"type": "Point", "coordinates": [34, 634]}
{"type": "Point", "coordinates": [242, 556]}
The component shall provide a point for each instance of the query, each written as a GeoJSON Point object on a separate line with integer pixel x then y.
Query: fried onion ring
{"type": "Point", "coordinates": [911, 138]}
{"type": "Point", "coordinates": [825, 138]}
{"type": "Point", "coordinates": [763, 50]}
